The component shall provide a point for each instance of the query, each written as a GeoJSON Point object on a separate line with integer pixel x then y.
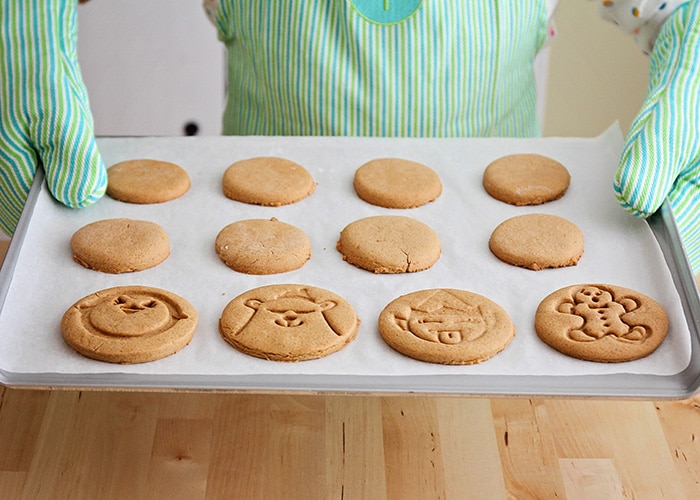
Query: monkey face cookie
{"type": "Point", "coordinates": [267, 181]}
{"type": "Point", "coordinates": [120, 245]}
{"type": "Point", "coordinates": [288, 322]}
{"type": "Point", "coordinates": [129, 324]}
{"type": "Point", "coordinates": [389, 244]}
{"type": "Point", "coordinates": [605, 323]}
{"type": "Point", "coordinates": [396, 183]}
{"type": "Point", "coordinates": [146, 181]}
{"type": "Point", "coordinates": [526, 179]}
{"type": "Point", "coordinates": [446, 326]}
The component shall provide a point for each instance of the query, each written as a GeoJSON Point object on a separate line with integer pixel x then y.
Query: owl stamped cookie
{"type": "Point", "coordinates": [604, 323]}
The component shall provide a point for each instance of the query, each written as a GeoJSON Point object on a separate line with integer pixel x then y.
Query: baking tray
{"type": "Point", "coordinates": [39, 280]}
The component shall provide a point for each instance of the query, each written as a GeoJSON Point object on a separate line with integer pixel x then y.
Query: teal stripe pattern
{"type": "Point", "coordinates": [45, 118]}
{"type": "Point", "coordinates": [661, 156]}
{"type": "Point", "coordinates": [438, 68]}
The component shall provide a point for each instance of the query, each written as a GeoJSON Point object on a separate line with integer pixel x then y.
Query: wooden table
{"type": "Point", "coordinates": [95, 444]}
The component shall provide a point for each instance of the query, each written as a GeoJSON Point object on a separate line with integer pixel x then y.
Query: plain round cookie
{"type": "Point", "coordinates": [129, 324]}
{"type": "Point", "coordinates": [145, 181]}
{"type": "Point", "coordinates": [446, 326]}
{"type": "Point", "coordinates": [267, 181]}
{"type": "Point", "coordinates": [263, 246]}
{"type": "Point", "coordinates": [600, 322]}
{"type": "Point", "coordinates": [537, 241]}
{"type": "Point", "coordinates": [120, 245]}
{"type": "Point", "coordinates": [288, 322]}
{"type": "Point", "coordinates": [526, 179]}
{"type": "Point", "coordinates": [396, 183]}
{"type": "Point", "coordinates": [389, 244]}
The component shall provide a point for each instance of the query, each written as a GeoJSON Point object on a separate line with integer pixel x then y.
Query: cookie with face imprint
{"type": "Point", "coordinates": [446, 326]}
{"type": "Point", "coordinates": [288, 322]}
{"type": "Point", "coordinates": [601, 322]}
{"type": "Point", "coordinates": [129, 324]}
{"type": "Point", "coordinates": [268, 181]}
{"type": "Point", "coordinates": [146, 181]}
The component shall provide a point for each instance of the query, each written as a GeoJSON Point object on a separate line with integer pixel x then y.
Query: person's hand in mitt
{"type": "Point", "coordinates": [45, 117]}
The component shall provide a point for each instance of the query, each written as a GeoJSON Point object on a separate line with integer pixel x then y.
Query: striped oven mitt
{"type": "Point", "coordinates": [661, 156]}
{"type": "Point", "coordinates": [45, 117]}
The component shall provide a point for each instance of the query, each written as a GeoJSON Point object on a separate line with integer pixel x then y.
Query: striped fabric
{"type": "Point", "coordinates": [349, 67]}
{"type": "Point", "coordinates": [45, 117]}
{"type": "Point", "coordinates": [661, 156]}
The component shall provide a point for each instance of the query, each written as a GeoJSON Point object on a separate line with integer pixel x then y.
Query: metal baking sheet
{"type": "Point", "coordinates": [39, 280]}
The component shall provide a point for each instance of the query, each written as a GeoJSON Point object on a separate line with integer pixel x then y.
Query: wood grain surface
{"type": "Point", "coordinates": [189, 445]}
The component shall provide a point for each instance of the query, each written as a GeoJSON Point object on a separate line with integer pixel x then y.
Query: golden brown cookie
{"type": "Point", "coordinates": [129, 324]}
{"type": "Point", "coordinates": [446, 326]}
{"type": "Point", "coordinates": [605, 323]}
{"type": "Point", "coordinates": [288, 322]}
{"type": "Point", "coordinates": [120, 245]}
{"type": "Point", "coordinates": [389, 244]}
{"type": "Point", "coordinates": [526, 179]}
{"type": "Point", "coordinates": [537, 241]}
{"type": "Point", "coordinates": [146, 181]}
{"type": "Point", "coordinates": [396, 183]}
{"type": "Point", "coordinates": [268, 181]}
{"type": "Point", "coordinates": [263, 246]}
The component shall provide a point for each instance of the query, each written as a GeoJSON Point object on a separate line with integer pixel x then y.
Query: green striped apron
{"type": "Point", "coordinates": [393, 68]}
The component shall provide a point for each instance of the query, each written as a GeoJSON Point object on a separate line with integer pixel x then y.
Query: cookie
{"type": "Point", "coordinates": [604, 323]}
{"type": "Point", "coordinates": [268, 181]}
{"type": "Point", "coordinates": [526, 179]}
{"type": "Point", "coordinates": [537, 241]}
{"type": "Point", "coordinates": [389, 244]}
{"type": "Point", "coordinates": [129, 324]}
{"type": "Point", "coordinates": [120, 245]}
{"type": "Point", "coordinates": [446, 326]}
{"type": "Point", "coordinates": [263, 246]}
{"type": "Point", "coordinates": [146, 181]}
{"type": "Point", "coordinates": [396, 183]}
{"type": "Point", "coordinates": [288, 322]}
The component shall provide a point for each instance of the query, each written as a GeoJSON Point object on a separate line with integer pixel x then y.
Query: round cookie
{"type": "Point", "coordinates": [267, 181]}
{"type": "Point", "coordinates": [288, 322]}
{"type": "Point", "coordinates": [120, 245]}
{"type": "Point", "coordinates": [129, 324]}
{"type": "Point", "coordinates": [389, 244]}
{"type": "Point", "coordinates": [146, 181]}
{"type": "Point", "coordinates": [526, 179]}
{"type": "Point", "coordinates": [396, 183]}
{"type": "Point", "coordinates": [446, 326]}
{"type": "Point", "coordinates": [537, 241]}
{"type": "Point", "coordinates": [604, 323]}
{"type": "Point", "coordinates": [263, 246]}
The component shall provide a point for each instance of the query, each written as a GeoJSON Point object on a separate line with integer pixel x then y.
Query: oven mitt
{"type": "Point", "coordinates": [45, 118]}
{"type": "Point", "coordinates": [661, 155]}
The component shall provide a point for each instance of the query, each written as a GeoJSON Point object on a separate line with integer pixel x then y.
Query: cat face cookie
{"type": "Point", "coordinates": [446, 326]}
{"type": "Point", "coordinates": [129, 324]}
{"type": "Point", "coordinates": [600, 322]}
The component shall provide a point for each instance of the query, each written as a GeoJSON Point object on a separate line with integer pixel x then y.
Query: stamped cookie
{"type": "Point", "coordinates": [604, 323]}
{"type": "Point", "coordinates": [288, 322]}
{"type": "Point", "coordinates": [268, 181]}
{"type": "Point", "coordinates": [389, 244]}
{"type": "Point", "coordinates": [446, 326]}
{"type": "Point", "coordinates": [120, 245]}
{"type": "Point", "coordinates": [526, 179]}
{"type": "Point", "coordinates": [396, 183]}
{"type": "Point", "coordinates": [129, 324]}
{"type": "Point", "coordinates": [146, 181]}
{"type": "Point", "coordinates": [263, 246]}
{"type": "Point", "coordinates": [537, 241]}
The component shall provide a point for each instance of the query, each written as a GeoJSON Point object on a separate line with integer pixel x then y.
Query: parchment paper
{"type": "Point", "coordinates": [619, 249]}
